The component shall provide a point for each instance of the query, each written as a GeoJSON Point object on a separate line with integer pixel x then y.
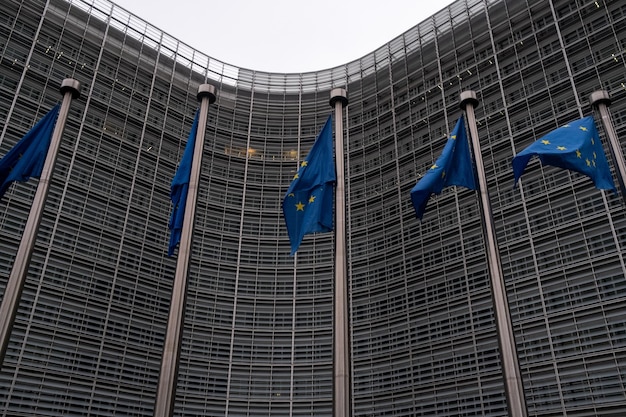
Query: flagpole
{"type": "Point", "coordinates": [70, 89]}
{"type": "Point", "coordinates": [166, 390]}
{"type": "Point", "coordinates": [514, 387]}
{"type": "Point", "coordinates": [601, 100]}
{"type": "Point", "coordinates": [341, 351]}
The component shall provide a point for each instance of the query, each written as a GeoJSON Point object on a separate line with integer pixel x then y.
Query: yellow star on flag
{"type": "Point", "coordinates": [311, 199]}
{"type": "Point", "coordinates": [545, 142]}
{"type": "Point", "coordinates": [299, 206]}
{"type": "Point", "coordinates": [561, 148]}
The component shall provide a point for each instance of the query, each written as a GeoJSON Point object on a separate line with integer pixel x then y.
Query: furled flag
{"type": "Point", "coordinates": [454, 167]}
{"type": "Point", "coordinates": [308, 203]}
{"type": "Point", "coordinates": [27, 157]}
{"type": "Point", "coordinates": [179, 189]}
{"type": "Point", "coordinates": [575, 146]}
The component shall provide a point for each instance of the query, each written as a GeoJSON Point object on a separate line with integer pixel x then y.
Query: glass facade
{"type": "Point", "coordinates": [257, 337]}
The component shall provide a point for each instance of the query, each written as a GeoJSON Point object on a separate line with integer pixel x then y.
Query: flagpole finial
{"type": "Point", "coordinates": [207, 90]}
{"type": "Point", "coordinates": [338, 94]}
{"type": "Point", "coordinates": [599, 97]}
{"type": "Point", "coordinates": [468, 97]}
{"type": "Point", "coordinates": [71, 85]}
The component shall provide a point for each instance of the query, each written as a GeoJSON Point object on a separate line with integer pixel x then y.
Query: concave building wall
{"type": "Point", "coordinates": [257, 338]}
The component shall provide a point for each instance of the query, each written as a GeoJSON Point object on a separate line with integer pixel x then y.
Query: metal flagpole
{"type": "Point", "coordinates": [601, 100]}
{"type": "Point", "coordinates": [341, 351]}
{"type": "Point", "coordinates": [166, 391]}
{"type": "Point", "coordinates": [508, 352]}
{"type": "Point", "coordinates": [70, 89]}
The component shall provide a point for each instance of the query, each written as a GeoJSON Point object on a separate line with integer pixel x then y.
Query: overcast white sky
{"type": "Point", "coordinates": [286, 36]}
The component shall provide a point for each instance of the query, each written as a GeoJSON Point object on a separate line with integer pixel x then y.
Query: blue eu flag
{"type": "Point", "coordinates": [179, 189]}
{"type": "Point", "coordinates": [308, 203]}
{"type": "Point", "coordinates": [27, 157]}
{"type": "Point", "coordinates": [454, 167]}
{"type": "Point", "coordinates": [575, 146]}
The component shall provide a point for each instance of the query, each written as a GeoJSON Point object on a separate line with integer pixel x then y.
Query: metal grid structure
{"type": "Point", "coordinates": [258, 328]}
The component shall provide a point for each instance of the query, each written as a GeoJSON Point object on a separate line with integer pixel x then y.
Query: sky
{"type": "Point", "coordinates": [285, 36]}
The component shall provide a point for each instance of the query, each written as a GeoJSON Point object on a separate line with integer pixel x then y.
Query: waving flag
{"type": "Point", "coordinates": [27, 157]}
{"type": "Point", "coordinates": [308, 203]}
{"type": "Point", "coordinates": [179, 189]}
{"type": "Point", "coordinates": [575, 146]}
{"type": "Point", "coordinates": [454, 167]}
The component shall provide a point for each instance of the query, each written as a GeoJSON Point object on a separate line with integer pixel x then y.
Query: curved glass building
{"type": "Point", "coordinates": [258, 327]}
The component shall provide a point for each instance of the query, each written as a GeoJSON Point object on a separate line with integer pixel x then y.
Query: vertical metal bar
{"type": "Point", "coordinates": [513, 384]}
{"type": "Point", "coordinates": [70, 89]}
{"type": "Point", "coordinates": [166, 390]}
{"type": "Point", "coordinates": [341, 351]}
{"type": "Point", "coordinates": [601, 100]}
